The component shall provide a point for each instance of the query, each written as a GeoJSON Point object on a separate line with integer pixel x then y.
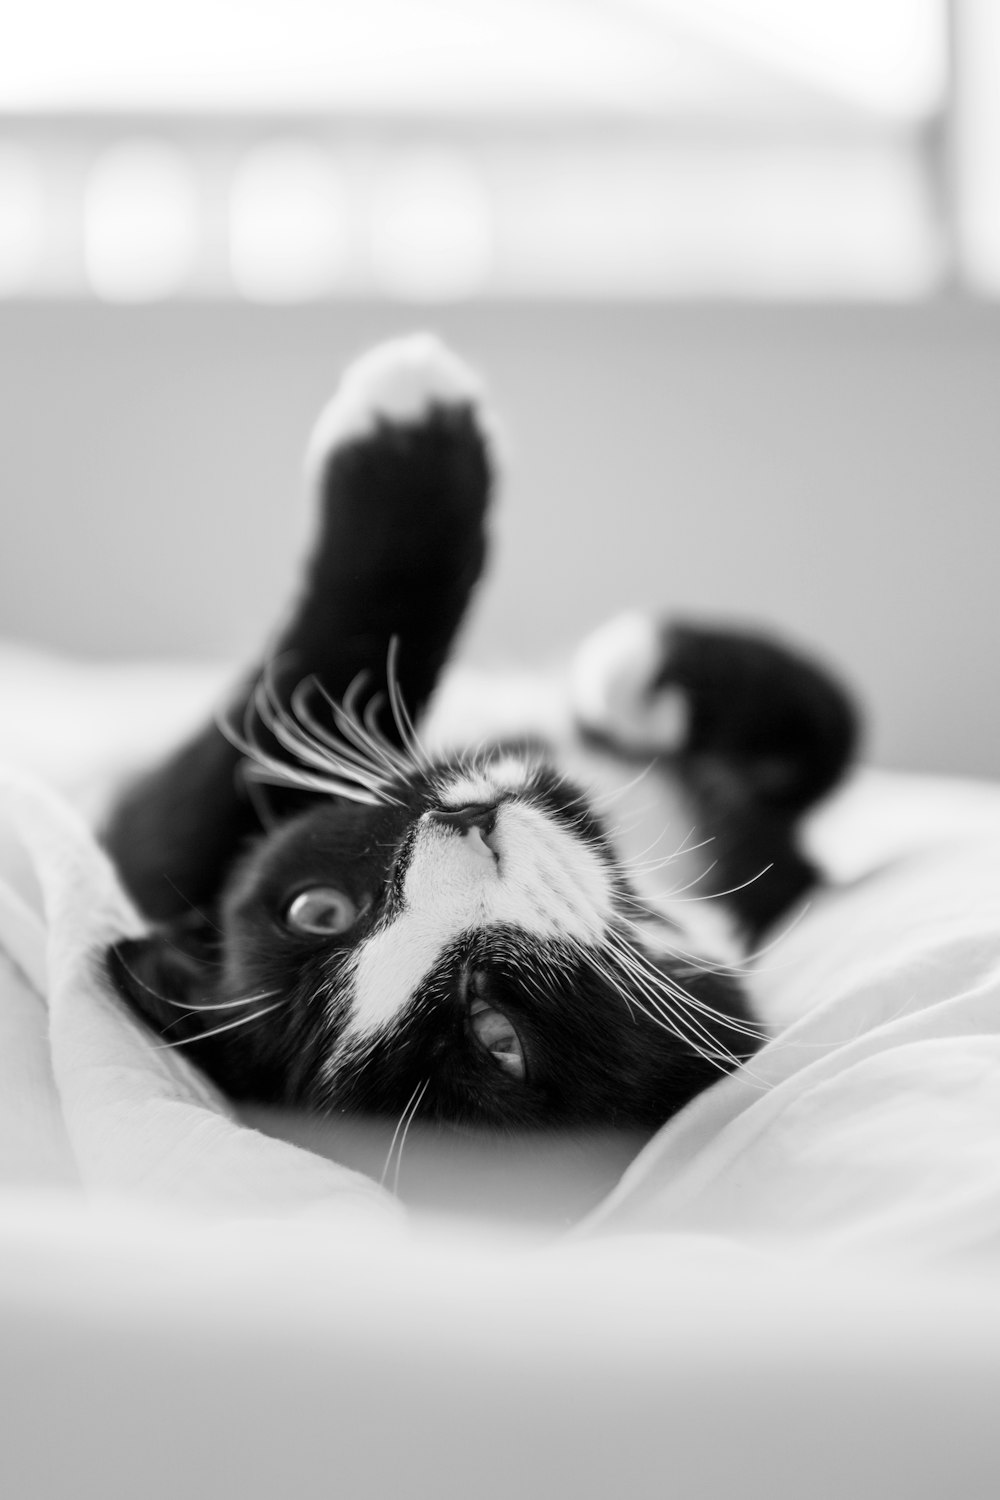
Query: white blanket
{"type": "Point", "coordinates": [871, 1121]}
{"type": "Point", "coordinates": [87, 1097]}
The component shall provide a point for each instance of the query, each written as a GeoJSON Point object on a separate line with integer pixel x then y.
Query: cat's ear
{"type": "Point", "coordinates": [166, 975]}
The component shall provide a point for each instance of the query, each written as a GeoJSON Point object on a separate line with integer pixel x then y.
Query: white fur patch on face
{"type": "Point", "coordinates": [544, 880]}
{"type": "Point", "coordinates": [400, 381]}
{"type": "Point", "coordinates": [611, 681]}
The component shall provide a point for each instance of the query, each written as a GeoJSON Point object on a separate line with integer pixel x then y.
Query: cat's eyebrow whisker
{"type": "Point", "coordinates": [324, 764]}
{"type": "Point", "coordinates": [275, 774]}
{"type": "Point", "coordinates": [263, 767]}
{"type": "Point", "coordinates": [288, 733]}
{"type": "Point", "coordinates": [346, 744]}
{"type": "Point", "coordinates": [399, 710]}
{"type": "Point", "coordinates": [380, 744]}
{"type": "Point", "coordinates": [323, 757]}
{"type": "Point", "coordinates": [367, 738]}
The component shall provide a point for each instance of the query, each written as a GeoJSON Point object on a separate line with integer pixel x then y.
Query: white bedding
{"type": "Point", "coordinates": [822, 1229]}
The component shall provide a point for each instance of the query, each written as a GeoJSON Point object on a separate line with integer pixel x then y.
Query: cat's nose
{"type": "Point", "coordinates": [478, 816]}
{"type": "Point", "coordinates": [476, 823]}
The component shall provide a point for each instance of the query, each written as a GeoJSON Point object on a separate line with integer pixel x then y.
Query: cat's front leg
{"type": "Point", "coordinates": [401, 470]}
{"type": "Point", "coordinates": [401, 465]}
{"type": "Point", "coordinates": [753, 731]}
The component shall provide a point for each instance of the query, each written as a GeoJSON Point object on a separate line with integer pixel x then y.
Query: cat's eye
{"type": "Point", "coordinates": [322, 911]}
{"type": "Point", "coordinates": [494, 1032]}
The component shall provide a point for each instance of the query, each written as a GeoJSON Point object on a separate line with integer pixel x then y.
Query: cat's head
{"type": "Point", "coordinates": [456, 938]}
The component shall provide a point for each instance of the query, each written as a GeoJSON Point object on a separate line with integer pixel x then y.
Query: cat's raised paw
{"type": "Point", "coordinates": [615, 690]}
{"type": "Point", "coordinates": [400, 382]}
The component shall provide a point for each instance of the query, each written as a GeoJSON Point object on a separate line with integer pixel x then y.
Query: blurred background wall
{"type": "Point", "coordinates": [730, 276]}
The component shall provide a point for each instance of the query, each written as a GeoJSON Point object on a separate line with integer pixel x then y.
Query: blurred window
{"type": "Point", "coordinates": [293, 150]}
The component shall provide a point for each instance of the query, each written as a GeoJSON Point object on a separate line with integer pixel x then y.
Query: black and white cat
{"type": "Point", "coordinates": [346, 919]}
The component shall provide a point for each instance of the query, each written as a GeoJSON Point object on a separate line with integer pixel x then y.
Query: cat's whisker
{"type": "Point", "coordinates": [639, 963]}
{"type": "Point", "coordinates": [374, 752]}
{"type": "Point", "coordinates": [356, 767]}
{"type": "Point", "coordinates": [295, 739]}
{"type": "Point", "coordinates": [276, 774]}
{"type": "Point", "coordinates": [372, 709]}
{"type": "Point", "coordinates": [406, 1131]}
{"type": "Point", "coordinates": [718, 895]}
{"type": "Point", "coordinates": [685, 848]}
{"type": "Point", "coordinates": [671, 999]}
{"type": "Point", "coordinates": [701, 962]}
{"type": "Point", "coordinates": [185, 1005]}
{"type": "Point", "coordinates": [365, 732]}
{"type": "Point", "coordinates": [409, 1110]}
{"type": "Point", "coordinates": [400, 712]}
{"type": "Point", "coordinates": [261, 766]}
{"type": "Point", "coordinates": [615, 794]}
{"type": "Point", "coordinates": [676, 893]}
{"type": "Point", "coordinates": [203, 1036]}
{"type": "Point", "coordinates": [335, 746]}
{"type": "Point", "coordinates": [191, 1010]}
{"type": "Point", "coordinates": [665, 1015]}
{"type": "Point", "coordinates": [658, 985]}
{"type": "Point", "coordinates": [641, 866]}
{"type": "Point", "coordinates": [228, 1004]}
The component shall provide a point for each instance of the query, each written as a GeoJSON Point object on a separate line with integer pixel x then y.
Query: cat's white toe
{"type": "Point", "coordinates": [398, 381]}
{"type": "Point", "coordinates": [612, 686]}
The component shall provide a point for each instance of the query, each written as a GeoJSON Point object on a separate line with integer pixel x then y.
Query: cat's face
{"type": "Point", "coordinates": [465, 946]}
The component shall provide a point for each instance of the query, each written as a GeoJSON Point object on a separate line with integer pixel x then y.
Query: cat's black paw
{"type": "Point", "coordinates": [401, 465]}
{"type": "Point", "coordinates": [394, 387]}
{"type": "Point", "coordinates": [617, 693]}
{"type": "Point", "coordinates": [733, 700]}
{"type": "Point", "coordinates": [754, 732]}
{"type": "Point", "coordinates": [401, 461]}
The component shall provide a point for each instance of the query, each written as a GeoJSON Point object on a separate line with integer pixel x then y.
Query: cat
{"type": "Point", "coordinates": [346, 919]}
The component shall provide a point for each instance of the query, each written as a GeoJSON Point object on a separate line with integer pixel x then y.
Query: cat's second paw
{"type": "Point", "coordinates": [741, 713]}
{"type": "Point", "coordinates": [616, 693]}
